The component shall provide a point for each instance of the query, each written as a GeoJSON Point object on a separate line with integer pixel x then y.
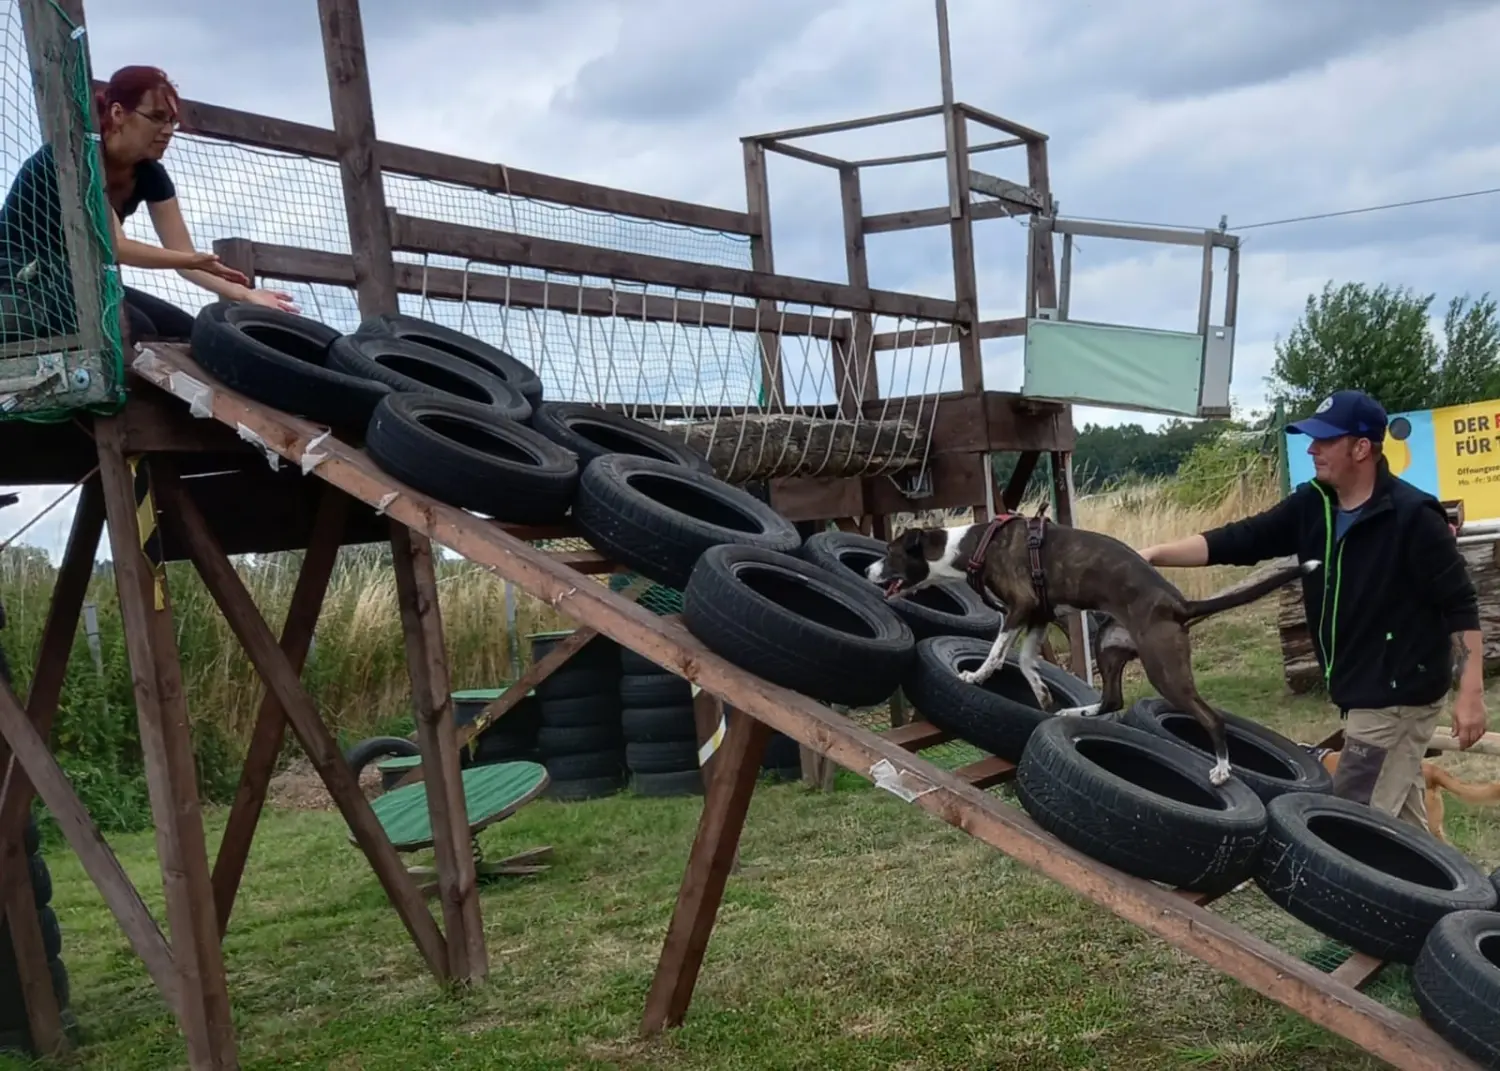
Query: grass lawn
{"type": "Point", "coordinates": [860, 933]}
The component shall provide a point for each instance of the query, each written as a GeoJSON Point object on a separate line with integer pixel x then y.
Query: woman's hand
{"type": "Point", "coordinates": [271, 299]}
{"type": "Point", "coordinates": [210, 263]}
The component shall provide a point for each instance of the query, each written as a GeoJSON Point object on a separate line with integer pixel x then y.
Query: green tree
{"type": "Point", "coordinates": [1375, 340]}
{"type": "Point", "coordinates": [1380, 340]}
{"type": "Point", "coordinates": [1470, 370]}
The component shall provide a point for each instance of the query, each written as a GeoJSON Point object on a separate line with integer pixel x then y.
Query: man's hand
{"type": "Point", "coordinates": [1468, 701]}
{"type": "Point", "coordinates": [1468, 717]}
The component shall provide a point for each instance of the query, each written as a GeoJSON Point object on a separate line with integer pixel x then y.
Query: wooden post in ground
{"type": "Point", "coordinates": [375, 282]}
{"type": "Point", "coordinates": [16, 898]}
{"type": "Point", "coordinates": [714, 850]}
{"type": "Point", "coordinates": [166, 746]}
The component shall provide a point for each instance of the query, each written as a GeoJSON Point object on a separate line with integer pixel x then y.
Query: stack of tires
{"type": "Point", "coordinates": [15, 1033]}
{"type": "Point", "coordinates": [578, 738]}
{"type": "Point", "coordinates": [510, 739]}
{"type": "Point", "coordinates": [661, 735]}
{"type": "Point", "coordinates": [783, 758]}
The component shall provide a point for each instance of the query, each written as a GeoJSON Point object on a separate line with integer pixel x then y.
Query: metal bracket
{"type": "Point", "coordinates": [914, 484]}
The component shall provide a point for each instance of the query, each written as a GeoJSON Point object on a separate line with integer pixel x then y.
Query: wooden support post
{"type": "Point", "coordinates": [728, 800]}
{"type": "Point", "coordinates": [1020, 476]}
{"type": "Point", "coordinates": [421, 623]}
{"type": "Point", "coordinates": [354, 141]}
{"type": "Point", "coordinates": [758, 201]}
{"type": "Point", "coordinates": [271, 663]}
{"type": "Point", "coordinates": [1043, 282]}
{"type": "Point", "coordinates": [855, 376]}
{"type": "Point", "coordinates": [270, 723]}
{"type": "Point", "coordinates": [16, 901]}
{"type": "Point", "coordinates": [53, 54]}
{"type": "Point", "coordinates": [375, 282]}
{"type": "Point", "coordinates": [167, 748]}
{"type": "Point", "coordinates": [1062, 486]}
{"type": "Point", "coordinates": [965, 281]}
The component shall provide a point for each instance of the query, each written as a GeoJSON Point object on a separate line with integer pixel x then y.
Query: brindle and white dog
{"type": "Point", "coordinates": [1147, 617]}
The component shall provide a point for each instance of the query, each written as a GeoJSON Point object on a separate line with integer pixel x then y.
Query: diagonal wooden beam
{"type": "Point", "coordinates": [270, 724]}
{"type": "Point", "coordinates": [244, 619]}
{"type": "Point", "coordinates": [16, 791]}
{"type": "Point", "coordinates": [426, 659]}
{"type": "Point", "coordinates": [171, 768]}
{"type": "Point", "coordinates": [101, 865]}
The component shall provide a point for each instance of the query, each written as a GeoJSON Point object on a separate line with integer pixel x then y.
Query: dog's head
{"type": "Point", "coordinates": [910, 559]}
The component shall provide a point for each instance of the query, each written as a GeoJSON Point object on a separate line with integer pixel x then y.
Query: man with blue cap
{"type": "Point", "coordinates": [1392, 611]}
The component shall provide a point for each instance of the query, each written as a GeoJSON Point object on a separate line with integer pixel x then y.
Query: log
{"type": "Point", "coordinates": [1299, 660]}
{"type": "Point", "coordinates": [762, 446]}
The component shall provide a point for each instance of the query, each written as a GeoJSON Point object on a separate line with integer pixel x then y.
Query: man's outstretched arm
{"type": "Point", "coordinates": [1272, 533]}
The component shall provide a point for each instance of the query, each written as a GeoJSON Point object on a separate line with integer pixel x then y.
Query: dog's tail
{"type": "Point", "coordinates": [1228, 600]}
{"type": "Point", "coordinates": [1467, 791]}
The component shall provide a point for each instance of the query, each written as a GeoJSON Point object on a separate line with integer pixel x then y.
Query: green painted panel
{"type": "Point", "coordinates": [1117, 367]}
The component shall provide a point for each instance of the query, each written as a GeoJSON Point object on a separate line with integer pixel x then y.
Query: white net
{"type": "Point", "coordinates": [664, 355]}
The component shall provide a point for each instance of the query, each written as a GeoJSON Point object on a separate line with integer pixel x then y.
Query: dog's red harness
{"type": "Point", "coordinates": [1035, 532]}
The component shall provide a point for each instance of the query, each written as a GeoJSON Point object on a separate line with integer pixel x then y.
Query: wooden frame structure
{"type": "Point", "coordinates": [170, 485]}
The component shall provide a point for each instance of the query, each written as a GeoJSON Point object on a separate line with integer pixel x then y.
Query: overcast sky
{"type": "Point", "coordinates": [1169, 111]}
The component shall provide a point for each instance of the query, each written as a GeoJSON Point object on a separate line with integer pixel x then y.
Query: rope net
{"type": "Point", "coordinates": [55, 199]}
{"type": "Point", "coordinates": [663, 355]}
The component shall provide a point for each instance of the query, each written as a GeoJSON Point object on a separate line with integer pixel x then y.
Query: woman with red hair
{"type": "Point", "coordinates": [136, 113]}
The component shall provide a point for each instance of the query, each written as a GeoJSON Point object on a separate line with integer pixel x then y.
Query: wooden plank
{"type": "Point", "coordinates": [1013, 423]}
{"type": "Point", "coordinates": [912, 338]}
{"type": "Point", "coordinates": [171, 773]}
{"type": "Point", "coordinates": [987, 772]}
{"type": "Point", "coordinates": [432, 698]}
{"type": "Point", "coordinates": [1042, 286]}
{"type": "Point", "coordinates": [847, 124]}
{"type": "Point", "coordinates": [229, 592]}
{"type": "Point", "coordinates": [270, 721]}
{"type": "Point", "coordinates": [354, 146]}
{"type": "Point", "coordinates": [1005, 126]}
{"type": "Point", "coordinates": [965, 276]}
{"type": "Point", "coordinates": [1400, 1040]}
{"type": "Point", "coordinates": [762, 259]}
{"type": "Point", "coordinates": [337, 269]}
{"type": "Point", "coordinates": [914, 219]}
{"type": "Point", "coordinates": [798, 153]}
{"type": "Point", "coordinates": [303, 139]}
{"type": "Point", "coordinates": [855, 377]}
{"type": "Point", "coordinates": [1024, 198]}
{"type": "Point", "coordinates": [714, 847]}
{"type": "Point", "coordinates": [1020, 476]}
{"type": "Point", "coordinates": [1359, 970]}
{"type": "Point", "coordinates": [414, 235]}
{"type": "Point", "coordinates": [817, 498]}
{"type": "Point", "coordinates": [937, 154]}
{"type": "Point", "coordinates": [16, 792]}
{"type": "Point", "coordinates": [916, 736]}
{"type": "Point", "coordinates": [54, 58]}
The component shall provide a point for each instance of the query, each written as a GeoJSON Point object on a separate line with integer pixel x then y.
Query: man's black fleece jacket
{"type": "Point", "coordinates": [1385, 602]}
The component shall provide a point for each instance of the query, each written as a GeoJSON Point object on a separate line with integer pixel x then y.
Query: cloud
{"type": "Point", "coordinates": [1162, 110]}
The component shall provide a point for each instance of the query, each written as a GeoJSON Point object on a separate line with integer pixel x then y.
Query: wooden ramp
{"type": "Point", "coordinates": [757, 707]}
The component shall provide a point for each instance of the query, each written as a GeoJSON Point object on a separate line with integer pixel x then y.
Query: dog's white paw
{"type": "Point", "coordinates": [1219, 774]}
{"type": "Point", "coordinates": [1080, 712]}
{"type": "Point", "coordinates": [969, 676]}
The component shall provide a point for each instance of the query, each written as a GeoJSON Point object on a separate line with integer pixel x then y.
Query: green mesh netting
{"type": "Point", "coordinates": [47, 370]}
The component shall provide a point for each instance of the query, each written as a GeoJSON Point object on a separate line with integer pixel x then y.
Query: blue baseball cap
{"type": "Point", "coordinates": [1344, 412]}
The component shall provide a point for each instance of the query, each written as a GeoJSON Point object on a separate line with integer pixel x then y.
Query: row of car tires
{"type": "Point", "coordinates": [466, 423]}
{"type": "Point", "coordinates": [1141, 801]}
{"type": "Point", "coordinates": [15, 1032]}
